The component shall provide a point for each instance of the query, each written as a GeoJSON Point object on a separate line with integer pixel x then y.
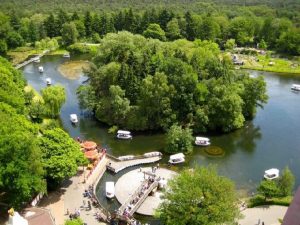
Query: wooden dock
{"type": "Point", "coordinates": [116, 165]}
{"type": "Point", "coordinates": [20, 65]}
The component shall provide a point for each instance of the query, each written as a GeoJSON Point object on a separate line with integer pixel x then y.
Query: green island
{"type": "Point", "coordinates": [156, 66]}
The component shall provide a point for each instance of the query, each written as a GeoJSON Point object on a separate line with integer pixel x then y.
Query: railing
{"type": "Point", "coordinates": [142, 199]}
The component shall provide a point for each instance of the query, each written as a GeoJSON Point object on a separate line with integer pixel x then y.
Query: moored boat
{"type": "Point", "coordinates": [66, 55]}
{"type": "Point", "coordinates": [124, 134]}
{"type": "Point", "coordinates": [295, 87]}
{"type": "Point", "coordinates": [48, 81]}
{"type": "Point", "coordinates": [177, 158]}
{"type": "Point", "coordinates": [202, 141]}
{"type": "Point", "coordinates": [37, 60]}
{"type": "Point", "coordinates": [73, 118]}
{"type": "Point", "coordinates": [41, 69]}
{"type": "Point", "coordinates": [271, 174]}
{"type": "Point", "coordinates": [110, 189]}
{"type": "Point", "coordinates": [152, 154]}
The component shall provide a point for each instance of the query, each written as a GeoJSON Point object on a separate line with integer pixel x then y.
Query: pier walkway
{"type": "Point", "coordinates": [18, 66]}
{"type": "Point", "coordinates": [116, 165]}
{"type": "Point", "coordinates": [129, 207]}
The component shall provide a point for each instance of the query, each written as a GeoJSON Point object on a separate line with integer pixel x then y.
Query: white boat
{"type": "Point", "coordinates": [202, 141]}
{"type": "Point", "coordinates": [124, 134]}
{"type": "Point", "coordinates": [66, 55]}
{"type": "Point", "coordinates": [37, 60]}
{"type": "Point", "coordinates": [152, 154]}
{"type": "Point", "coordinates": [73, 118]}
{"type": "Point", "coordinates": [295, 87]}
{"type": "Point", "coordinates": [126, 157]}
{"type": "Point", "coordinates": [41, 69]}
{"type": "Point", "coordinates": [271, 174]}
{"type": "Point", "coordinates": [177, 158]}
{"type": "Point", "coordinates": [48, 81]}
{"type": "Point", "coordinates": [110, 189]}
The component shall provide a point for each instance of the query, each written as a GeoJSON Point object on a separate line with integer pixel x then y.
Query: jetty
{"type": "Point", "coordinates": [117, 164]}
{"type": "Point", "coordinates": [20, 65]}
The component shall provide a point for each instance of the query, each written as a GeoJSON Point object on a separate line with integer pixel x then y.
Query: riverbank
{"type": "Point", "coordinates": [268, 64]}
{"type": "Point", "coordinates": [20, 54]}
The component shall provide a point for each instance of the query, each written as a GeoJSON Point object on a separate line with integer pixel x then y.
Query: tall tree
{"type": "Point", "coordinates": [190, 28]}
{"type": "Point", "coordinates": [54, 98]}
{"type": "Point", "coordinates": [51, 27]}
{"type": "Point", "coordinates": [88, 23]}
{"type": "Point", "coordinates": [199, 196]}
{"type": "Point", "coordinates": [155, 31]}
{"type": "Point", "coordinates": [173, 30]}
{"type": "Point", "coordinates": [179, 140]}
{"type": "Point", "coordinates": [286, 182]}
{"type": "Point", "coordinates": [69, 33]}
{"type": "Point", "coordinates": [61, 155]}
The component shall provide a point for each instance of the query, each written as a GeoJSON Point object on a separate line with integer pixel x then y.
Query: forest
{"type": "Point", "coordinates": [146, 84]}
{"type": "Point", "coordinates": [270, 26]}
{"type": "Point", "coordinates": [34, 156]}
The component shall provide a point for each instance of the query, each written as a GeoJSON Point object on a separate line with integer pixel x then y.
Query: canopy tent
{"type": "Point", "coordinates": [89, 145]}
{"type": "Point", "coordinates": [91, 155]}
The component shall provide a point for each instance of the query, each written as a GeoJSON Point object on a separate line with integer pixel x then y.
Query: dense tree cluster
{"type": "Point", "coordinates": [199, 196]}
{"type": "Point", "coordinates": [144, 84]}
{"type": "Point", "coordinates": [29, 154]}
{"type": "Point", "coordinates": [247, 26]}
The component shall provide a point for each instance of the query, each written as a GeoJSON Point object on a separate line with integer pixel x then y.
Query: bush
{"type": "Point", "coordinates": [82, 48]}
{"type": "Point", "coordinates": [259, 200]}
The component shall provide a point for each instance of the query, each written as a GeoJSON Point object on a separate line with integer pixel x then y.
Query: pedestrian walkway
{"type": "Point", "coordinates": [70, 197]}
{"type": "Point", "coordinates": [270, 215]}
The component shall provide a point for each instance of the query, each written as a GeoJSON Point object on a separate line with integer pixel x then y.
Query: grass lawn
{"type": "Point", "coordinates": [265, 63]}
{"type": "Point", "coordinates": [58, 52]}
{"type": "Point", "coordinates": [258, 200]}
{"type": "Point", "coordinates": [20, 54]}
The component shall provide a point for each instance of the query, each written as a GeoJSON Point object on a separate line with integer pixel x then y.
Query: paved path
{"type": "Point", "coordinates": [267, 214]}
{"type": "Point", "coordinates": [70, 196]}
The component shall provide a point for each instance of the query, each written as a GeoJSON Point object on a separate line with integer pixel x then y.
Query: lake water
{"type": "Point", "coordinates": [271, 140]}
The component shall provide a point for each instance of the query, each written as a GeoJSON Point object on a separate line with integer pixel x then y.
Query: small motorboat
{"type": "Point", "coordinates": [41, 69]}
{"type": "Point", "coordinates": [271, 174]}
{"type": "Point", "coordinates": [177, 158]}
{"type": "Point", "coordinates": [66, 55]}
{"type": "Point", "coordinates": [295, 87]}
{"type": "Point", "coordinates": [152, 154]}
{"type": "Point", "coordinates": [110, 189]}
{"type": "Point", "coordinates": [126, 157]}
{"type": "Point", "coordinates": [37, 60]}
{"type": "Point", "coordinates": [124, 134]}
{"type": "Point", "coordinates": [202, 141]}
{"type": "Point", "coordinates": [48, 81]}
{"type": "Point", "coordinates": [73, 118]}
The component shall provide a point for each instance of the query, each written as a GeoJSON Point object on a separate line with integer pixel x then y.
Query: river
{"type": "Point", "coordinates": [271, 140]}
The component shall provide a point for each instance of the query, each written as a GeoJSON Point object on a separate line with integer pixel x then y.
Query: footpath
{"type": "Point", "coordinates": [269, 215]}
{"type": "Point", "coordinates": [70, 196]}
